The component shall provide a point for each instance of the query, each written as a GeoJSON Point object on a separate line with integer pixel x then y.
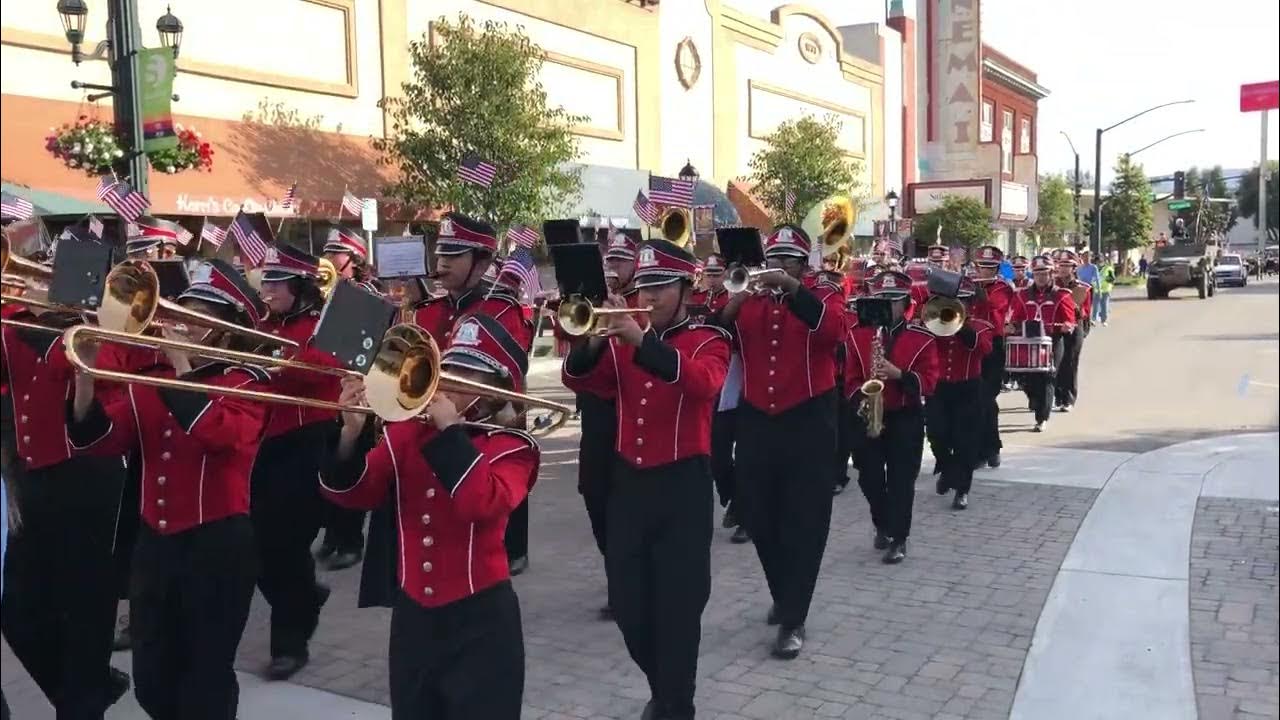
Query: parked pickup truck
{"type": "Point", "coordinates": [1182, 265]}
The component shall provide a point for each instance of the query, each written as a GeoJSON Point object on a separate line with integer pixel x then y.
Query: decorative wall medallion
{"type": "Point", "coordinates": [810, 48]}
{"type": "Point", "coordinates": [688, 63]}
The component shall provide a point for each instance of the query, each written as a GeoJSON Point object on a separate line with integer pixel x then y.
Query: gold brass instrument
{"type": "Point", "coordinates": [21, 267]}
{"type": "Point", "coordinates": [327, 277]}
{"type": "Point", "coordinates": [676, 225]}
{"type": "Point", "coordinates": [830, 223]}
{"type": "Point", "coordinates": [577, 316]}
{"type": "Point", "coordinates": [871, 409]}
{"type": "Point", "coordinates": [943, 316]}
{"type": "Point", "coordinates": [737, 278]}
{"type": "Point", "coordinates": [405, 376]}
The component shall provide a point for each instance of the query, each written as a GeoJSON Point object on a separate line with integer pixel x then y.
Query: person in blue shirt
{"type": "Point", "coordinates": [1087, 271]}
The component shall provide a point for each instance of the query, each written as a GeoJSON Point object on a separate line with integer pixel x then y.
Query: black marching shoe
{"type": "Point", "coordinates": [940, 485]}
{"type": "Point", "coordinates": [960, 502]}
{"type": "Point", "coordinates": [740, 536]}
{"type": "Point", "coordinates": [325, 550]}
{"type": "Point", "coordinates": [606, 612]}
{"type": "Point", "coordinates": [285, 666]}
{"type": "Point", "coordinates": [882, 541]}
{"type": "Point", "coordinates": [789, 643]}
{"type": "Point", "coordinates": [343, 559]}
{"type": "Point", "coordinates": [118, 682]}
{"type": "Point", "coordinates": [730, 519]}
{"type": "Point", "coordinates": [772, 617]}
{"type": "Point", "coordinates": [518, 565]}
{"type": "Point", "coordinates": [937, 468]}
{"type": "Point", "coordinates": [994, 461]}
{"type": "Point", "coordinates": [837, 489]}
{"type": "Point", "coordinates": [896, 553]}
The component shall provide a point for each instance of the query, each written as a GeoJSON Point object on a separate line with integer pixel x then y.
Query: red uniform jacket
{"type": "Point", "coordinates": [788, 346]}
{"type": "Point", "coordinates": [995, 309]}
{"type": "Point", "coordinates": [299, 327]}
{"type": "Point", "coordinates": [960, 355]}
{"type": "Point", "coordinates": [439, 315]}
{"type": "Point", "coordinates": [1019, 283]}
{"type": "Point", "coordinates": [909, 347]}
{"type": "Point", "coordinates": [197, 448]}
{"type": "Point", "coordinates": [705, 302]}
{"type": "Point", "coordinates": [1084, 311]}
{"type": "Point", "coordinates": [666, 389]}
{"type": "Point", "coordinates": [919, 296]}
{"type": "Point", "coordinates": [1053, 306]}
{"type": "Point", "coordinates": [453, 492]}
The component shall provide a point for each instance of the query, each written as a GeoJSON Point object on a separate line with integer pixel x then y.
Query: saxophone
{"type": "Point", "coordinates": [871, 410]}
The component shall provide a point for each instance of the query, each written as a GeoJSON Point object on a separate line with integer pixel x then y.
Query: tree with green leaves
{"type": "Point", "coordinates": [804, 157]}
{"type": "Point", "coordinates": [476, 90]}
{"type": "Point", "coordinates": [965, 222]}
{"type": "Point", "coordinates": [1126, 211]}
{"type": "Point", "coordinates": [1247, 197]}
{"type": "Point", "coordinates": [1056, 218]}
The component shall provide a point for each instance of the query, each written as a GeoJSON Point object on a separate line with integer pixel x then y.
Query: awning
{"type": "Point", "coordinates": [750, 209]}
{"type": "Point", "coordinates": [253, 166]}
{"type": "Point", "coordinates": [52, 204]}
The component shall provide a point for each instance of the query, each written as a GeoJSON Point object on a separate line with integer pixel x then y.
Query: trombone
{"type": "Point", "coordinates": [739, 277]}
{"type": "Point", "coordinates": [405, 376]}
{"type": "Point", "coordinates": [578, 317]}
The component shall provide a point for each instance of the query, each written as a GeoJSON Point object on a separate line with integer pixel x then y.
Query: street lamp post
{"type": "Point", "coordinates": [1075, 195]}
{"type": "Point", "coordinates": [1097, 170]}
{"type": "Point", "coordinates": [1166, 137]}
{"type": "Point", "coordinates": [120, 49]}
{"type": "Point", "coordinates": [891, 200]}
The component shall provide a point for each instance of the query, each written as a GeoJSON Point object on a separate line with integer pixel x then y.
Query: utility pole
{"type": "Point", "coordinates": [1262, 188]}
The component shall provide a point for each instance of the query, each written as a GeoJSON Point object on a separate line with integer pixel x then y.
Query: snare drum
{"type": "Point", "coordinates": [1028, 354]}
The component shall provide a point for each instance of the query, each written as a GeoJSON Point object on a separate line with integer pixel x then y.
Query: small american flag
{"type": "Point", "coordinates": [289, 197]}
{"type": "Point", "coordinates": [95, 226]}
{"type": "Point", "coordinates": [645, 210]}
{"type": "Point", "coordinates": [474, 170]}
{"type": "Point", "coordinates": [893, 244]}
{"type": "Point", "coordinates": [789, 202]}
{"type": "Point", "coordinates": [351, 204]}
{"type": "Point", "coordinates": [666, 191]}
{"type": "Point", "coordinates": [523, 236]}
{"type": "Point", "coordinates": [121, 197]}
{"type": "Point", "coordinates": [253, 247]}
{"type": "Point", "coordinates": [213, 234]}
{"type": "Point", "coordinates": [184, 236]}
{"type": "Point", "coordinates": [16, 208]}
{"type": "Point", "coordinates": [521, 266]}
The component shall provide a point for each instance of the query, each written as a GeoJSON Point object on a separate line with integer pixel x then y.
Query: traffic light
{"type": "Point", "coordinates": [1179, 185]}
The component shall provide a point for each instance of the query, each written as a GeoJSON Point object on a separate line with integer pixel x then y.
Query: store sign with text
{"type": "Point", "coordinates": [213, 205]}
{"type": "Point", "coordinates": [924, 197]}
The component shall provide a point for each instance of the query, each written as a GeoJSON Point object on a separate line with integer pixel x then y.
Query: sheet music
{"type": "Point", "coordinates": [400, 256]}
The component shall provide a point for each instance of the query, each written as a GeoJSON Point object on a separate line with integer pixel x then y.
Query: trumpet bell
{"type": "Point", "coordinates": [326, 277]}
{"type": "Point", "coordinates": [943, 316]}
{"type": "Point", "coordinates": [576, 317]}
{"type": "Point", "coordinates": [405, 373]}
{"type": "Point", "coordinates": [131, 299]}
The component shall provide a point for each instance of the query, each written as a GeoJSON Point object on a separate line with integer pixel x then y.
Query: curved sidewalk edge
{"type": "Point", "coordinates": [1113, 639]}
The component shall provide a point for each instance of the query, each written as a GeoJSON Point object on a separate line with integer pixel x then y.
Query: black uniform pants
{"type": "Point", "coordinates": [127, 525]}
{"type": "Point", "coordinates": [784, 464]}
{"type": "Point", "coordinates": [989, 443]}
{"type": "Point", "coordinates": [1067, 389]}
{"type": "Point", "coordinates": [659, 566]}
{"type": "Point", "coordinates": [846, 414]}
{"type": "Point", "coordinates": [887, 469]}
{"type": "Point", "coordinates": [59, 585]}
{"type": "Point", "coordinates": [722, 469]}
{"type": "Point", "coordinates": [1039, 387]}
{"type": "Point", "coordinates": [595, 463]}
{"type": "Point", "coordinates": [954, 413]}
{"type": "Point", "coordinates": [461, 661]}
{"type": "Point", "coordinates": [344, 529]}
{"type": "Point", "coordinates": [187, 610]}
{"type": "Point", "coordinates": [287, 510]}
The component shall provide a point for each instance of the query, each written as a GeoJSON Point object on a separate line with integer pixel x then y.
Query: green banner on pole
{"type": "Point", "coordinates": [1179, 204]}
{"type": "Point", "coordinates": [156, 70]}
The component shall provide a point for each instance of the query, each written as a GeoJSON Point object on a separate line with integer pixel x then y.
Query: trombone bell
{"type": "Point", "coordinates": [943, 316]}
{"type": "Point", "coordinates": [405, 373]}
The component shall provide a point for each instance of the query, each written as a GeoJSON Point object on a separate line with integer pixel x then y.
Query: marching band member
{"type": "Point", "coordinates": [345, 249]}
{"type": "Point", "coordinates": [919, 274]}
{"type": "Point", "coordinates": [712, 296]}
{"type": "Point", "coordinates": [149, 238]}
{"type": "Point", "coordinates": [1054, 308]}
{"type": "Point", "coordinates": [1019, 265]}
{"type": "Point", "coordinates": [953, 411]}
{"type": "Point", "coordinates": [457, 647]}
{"type": "Point", "coordinates": [1067, 386]}
{"type": "Point", "coordinates": [993, 298]}
{"type": "Point", "coordinates": [665, 380]}
{"type": "Point", "coordinates": [60, 598]}
{"type": "Point", "coordinates": [905, 357]}
{"type": "Point", "coordinates": [702, 303]}
{"type": "Point", "coordinates": [194, 568]}
{"type": "Point", "coordinates": [787, 335]}
{"type": "Point", "coordinates": [286, 506]}
{"type": "Point", "coordinates": [846, 412]}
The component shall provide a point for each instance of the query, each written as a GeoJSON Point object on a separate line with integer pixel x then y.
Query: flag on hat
{"type": "Point", "coordinates": [121, 197]}
{"type": "Point", "coordinates": [670, 192]}
{"type": "Point", "coordinates": [523, 236]}
{"type": "Point", "coordinates": [16, 208]}
{"type": "Point", "coordinates": [351, 204]}
{"type": "Point", "coordinates": [473, 170]}
{"type": "Point", "coordinates": [252, 235]}
{"type": "Point", "coordinates": [645, 209]}
{"type": "Point", "coordinates": [290, 195]}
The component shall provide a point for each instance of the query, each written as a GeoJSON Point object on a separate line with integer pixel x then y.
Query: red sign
{"type": "Point", "coordinates": [1260, 96]}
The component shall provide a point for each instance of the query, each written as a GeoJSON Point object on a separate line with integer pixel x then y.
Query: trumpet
{"type": "Point", "coordinates": [405, 376]}
{"type": "Point", "coordinates": [943, 316]}
{"type": "Point", "coordinates": [577, 316]}
{"type": "Point", "coordinates": [739, 277]}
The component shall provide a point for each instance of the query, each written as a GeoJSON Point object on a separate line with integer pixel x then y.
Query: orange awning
{"type": "Point", "coordinates": [253, 165]}
{"type": "Point", "coordinates": [750, 209]}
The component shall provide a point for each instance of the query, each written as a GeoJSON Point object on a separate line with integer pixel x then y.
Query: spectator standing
{"type": "Point", "coordinates": [1106, 273]}
{"type": "Point", "coordinates": [1142, 266]}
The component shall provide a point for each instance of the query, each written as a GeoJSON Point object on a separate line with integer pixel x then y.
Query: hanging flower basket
{"type": "Point", "coordinates": [93, 146]}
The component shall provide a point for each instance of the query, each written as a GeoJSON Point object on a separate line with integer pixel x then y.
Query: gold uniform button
{"type": "Point", "coordinates": [639, 460]}
{"type": "Point", "coordinates": [161, 480]}
{"type": "Point", "coordinates": [773, 358]}
{"type": "Point", "coordinates": [428, 591]}
{"type": "Point", "coordinates": [770, 391]}
{"type": "Point", "coordinates": [160, 502]}
{"type": "Point", "coordinates": [431, 492]}
{"type": "Point", "coordinates": [640, 421]}
{"type": "Point", "coordinates": [774, 343]}
{"type": "Point", "coordinates": [428, 541]}
{"type": "Point", "coordinates": [24, 418]}
{"type": "Point", "coordinates": [165, 455]}
{"type": "Point", "coordinates": [26, 439]}
{"type": "Point", "coordinates": [644, 401]}
{"type": "Point", "coordinates": [770, 373]}
{"type": "Point", "coordinates": [168, 433]}
{"type": "Point", "coordinates": [426, 519]}
{"type": "Point", "coordinates": [163, 524]}
{"type": "Point", "coordinates": [648, 385]}
{"type": "Point", "coordinates": [427, 566]}
{"type": "Point", "coordinates": [639, 441]}
{"type": "Point", "coordinates": [775, 327]}
{"type": "Point", "coordinates": [26, 397]}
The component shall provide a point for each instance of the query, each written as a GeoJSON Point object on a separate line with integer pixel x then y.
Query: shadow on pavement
{"type": "Point", "coordinates": [1253, 337]}
{"type": "Point", "coordinates": [1148, 440]}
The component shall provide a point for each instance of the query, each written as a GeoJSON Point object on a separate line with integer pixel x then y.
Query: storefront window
{"type": "Point", "coordinates": [988, 118]}
{"type": "Point", "coordinates": [1024, 136]}
{"type": "Point", "coordinates": [1006, 142]}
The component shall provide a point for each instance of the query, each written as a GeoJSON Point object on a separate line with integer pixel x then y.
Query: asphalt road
{"type": "Point", "coordinates": [1166, 371]}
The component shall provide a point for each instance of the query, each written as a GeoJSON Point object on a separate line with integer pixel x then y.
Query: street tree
{"type": "Point", "coordinates": [804, 157]}
{"type": "Point", "coordinates": [1056, 217]}
{"type": "Point", "coordinates": [1086, 179]}
{"type": "Point", "coordinates": [1208, 216]}
{"type": "Point", "coordinates": [1247, 197]}
{"type": "Point", "coordinates": [965, 222]}
{"type": "Point", "coordinates": [1126, 214]}
{"type": "Point", "coordinates": [475, 90]}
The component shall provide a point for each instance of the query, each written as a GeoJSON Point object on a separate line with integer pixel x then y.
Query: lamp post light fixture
{"type": "Point", "coordinates": [891, 200]}
{"type": "Point", "coordinates": [170, 29]}
{"type": "Point", "coordinates": [74, 14]}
